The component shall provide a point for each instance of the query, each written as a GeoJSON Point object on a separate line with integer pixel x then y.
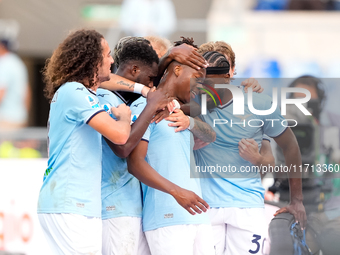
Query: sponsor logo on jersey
{"type": "Point", "coordinates": [110, 208]}
{"type": "Point", "coordinates": [102, 95]}
{"type": "Point", "coordinates": [135, 105]}
{"type": "Point", "coordinates": [168, 215]}
{"type": "Point", "coordinates": [80, 205]}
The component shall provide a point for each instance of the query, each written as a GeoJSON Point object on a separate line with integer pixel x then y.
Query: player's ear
{"type": "Point", "coordinates": [178, 70]}
{"type": "Point", "coordinates": [135, 71]}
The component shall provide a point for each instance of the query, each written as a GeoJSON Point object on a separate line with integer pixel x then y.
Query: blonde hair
{"type": "Point", "coordinates": [221, 47]}
{"type": "Point", "coordinates": [162, 43]}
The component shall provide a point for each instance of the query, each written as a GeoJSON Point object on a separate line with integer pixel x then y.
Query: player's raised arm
{"type": "Point", "coordinates": [138, 167]}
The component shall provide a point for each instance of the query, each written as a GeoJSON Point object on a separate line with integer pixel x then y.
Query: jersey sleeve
{"type": "Point", "coordinates": [274, 124]}
{"type": "Point", "coordinates": [265, 137]}
{"type": "Point", "coordinates": [81, 105]}
{"type": "Point", "coordinates": [146, 136]}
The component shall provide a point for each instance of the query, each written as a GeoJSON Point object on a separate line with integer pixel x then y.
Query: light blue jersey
{"type": "Point", "coordinates": [169, 154]}
{"type": "Point", "coordinates": [228, 188]}
{"type": "Point", "coordinates": [121, 191]}
{"type": "Point", "coordinates": [72, 179]}
{"type": "Point", "coordinates": [14, 80]}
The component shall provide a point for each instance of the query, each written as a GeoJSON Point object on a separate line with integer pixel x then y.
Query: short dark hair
{"type": "Point", "coordinates": [138, 51]}
{"type": "Point", "coordinates": [186, 40]}
{"type": "Point", "coordinates": [120, 44]}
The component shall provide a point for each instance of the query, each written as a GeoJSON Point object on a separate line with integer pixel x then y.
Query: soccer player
{"type": "Point", "coordinates": [168, 227]}
{"type": "Point", "coordinates": [121, 192]}
{"type": "Point", "coordinates": [69, 205]}
{"type": "Point", "coordinates": [237, 200]}
{"type": "Point", "coordinates": [248, 148]}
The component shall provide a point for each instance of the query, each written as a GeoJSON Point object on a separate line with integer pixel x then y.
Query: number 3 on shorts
{"type": "Point", "coordinates": [256, 241]}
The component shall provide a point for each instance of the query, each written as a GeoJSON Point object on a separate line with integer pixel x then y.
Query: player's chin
{"type": "Point", "coordinates": [104, 78]}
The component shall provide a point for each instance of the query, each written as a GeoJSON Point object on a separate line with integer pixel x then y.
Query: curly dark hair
{"type": "Point", "coordinates": [138, 51]}
{"type": "Point", "coordinates": [187, 40]}
{"type": "Point", "coordinates": [76, 59]}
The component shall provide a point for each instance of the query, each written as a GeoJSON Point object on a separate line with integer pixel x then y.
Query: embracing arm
{"type": "Point", "coordinates": [138, 167]}
{"type": "Point", "coordinates": [118, 83]}
{"type": "Point", "coordinates": [184, 54]}
{"type": "Point", "coordinates": [117, 131]}
{"type": "Point", "coordinates": [156, 100]}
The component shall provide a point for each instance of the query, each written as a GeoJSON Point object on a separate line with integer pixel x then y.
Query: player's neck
{"type": "Point", "coordinates": [226, 96]}
{"type": "Point", "coordinates": [168, 86]}
{"type": "Point", "coordinates": [93, 88]}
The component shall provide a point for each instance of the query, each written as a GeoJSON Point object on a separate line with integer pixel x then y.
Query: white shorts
{"type": "Point", "coordinates": [72, 233]}
{"type": "Point", "coordinates": [124, 236]}
{"type": "Point", "coordinates": [239, 231]}
{"type": "Point", "coordinates": [181, 240]}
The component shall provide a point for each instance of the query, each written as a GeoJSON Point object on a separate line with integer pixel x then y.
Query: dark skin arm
{"type": "Point", "coordinates": [291, 152]}
{"type": "Point", "coordinates": [184, 54]}
{"type": "Point", "coordinates": [156, 100]}
{"type": "Point", "coordinates": [138, 167]}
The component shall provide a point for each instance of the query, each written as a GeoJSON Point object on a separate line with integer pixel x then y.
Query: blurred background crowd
{"type": "Point", "coordinates": [274, 40]}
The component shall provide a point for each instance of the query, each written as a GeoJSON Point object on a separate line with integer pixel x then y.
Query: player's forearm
{"type": "Point", "coordinates": [120, 133]}
{"type": "Point", "coordinates": [293, 161]}
{"type": "Point", "coordinates": [203, 131]}
{"type": "Point", "coordinates": [139, 168]}
{"type": "Point", "coordinates": [191, 109]}
{"type": "Point", "coordinates": [118, 83]}
{"type": "Point", "coordinates": [264, 159]}
{"type": "Point", "coordinates": [137, 131]}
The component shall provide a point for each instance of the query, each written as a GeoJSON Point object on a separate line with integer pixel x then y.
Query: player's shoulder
{"type": "Point", "coordinates": [105, 95]}
{"type": "Point", "coordinates": [260, 100]}
{"type": "Point", "coordinates": [140, 102]}
{"type": "Point", "coordinates": [70, 87]}
{"type": "Point", "coordinates": [73, 92]}
{"type": "Point", "coordinates": [103, 92]}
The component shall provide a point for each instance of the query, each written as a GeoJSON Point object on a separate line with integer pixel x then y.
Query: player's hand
{"type": "Point", "coordinates": [158, 99]}
{"type": "Point", "coordinates": [179, 120]}
{"type": "Point", "coordinates": [122, 112]}
{"type": "Point", "coordinates": [145, 91]}
{"type": "Point", "coordinates": [298, 210]}
{"type": "Point", "coordinates": [190, 201]}
{"type": "Point", "coordinates": [188, 55]}
{"type": "Point", "coordinates": [199, 143]}
{"type": "Point", "coordinates": [249, 150]}
{"type": "Point", "coordinates": [160, 115]}
{"type": "Point", "coordinates": [252, 83]}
